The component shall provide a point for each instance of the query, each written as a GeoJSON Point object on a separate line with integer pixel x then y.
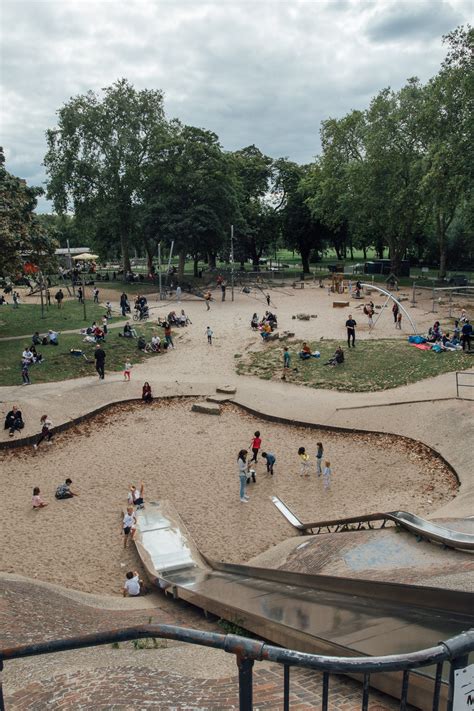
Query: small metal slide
{"type": "Point", "coordinates": [417, 525]}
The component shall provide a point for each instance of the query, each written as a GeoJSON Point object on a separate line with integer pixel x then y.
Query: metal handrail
{"type": "Point", "coordinates": [247, 651]}
{"type": "Point", "coordinates": [463, 385]}
{"type": "Point", "coordinates": [254, 649]}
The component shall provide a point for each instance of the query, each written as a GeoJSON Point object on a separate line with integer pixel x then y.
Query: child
{"type": "Point", "coordinates": [327, 475]}
{"type": "Point", "coordinates": [46, 425]}
{"type": "Point", "coordinates": [127, 370]}
{"type": "Point", "coordinates": [304, 459]}
{"type": "Point", "coordinates": [286, 362]}
{"type": "Point", "coordinates": [135, 496]}
{"type": "Point", "coordinates": [25, 373]}
{"type": "Point", "coordinates": [319, 458]}
{"type": "Point", "coordinates": [399, 321]}
{"type": "Point", "coordinates": [37, 501]}
{"type": "Point", "coordinates": [108, 306]}
{"type": "Point", "coordinates": [105, 322]}
{"type": "Point", "coordinates": [128, 525]}
{"type": "Point", "coordinates": [255, 445]}
{"type": "Point", "coordinates": [209, 335]}
{"type": "Point", "coordinates": [271, 459]}
{"type": "Point", "coordinates": [133, 584]}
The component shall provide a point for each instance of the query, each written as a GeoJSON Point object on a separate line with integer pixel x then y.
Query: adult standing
{"type": "Point", "coordinates": [395, 311]}
{"type": "Point", "coordinates": [223, 288]}
{"type": "Point", "coordinates": [466, 335]}
{"type": "Point", "coordinates": [96, 295]}
{"type": "Point", "coordinates": [99, 357]}
{"type": "Point", "coordinates": [124, 303]}
{"type": "Point", "coordinates": [48, 297]}
{"type": "Point", "coordinates": [80, 295]}
{"type": "Point", "coordinates": [351, 333]}
{"type": "Point", "coordinates": [243, 468]}
{"type": "Point", "coordinates": [59, 296]}
{"type": "Point", "coordinates": [178, 294]}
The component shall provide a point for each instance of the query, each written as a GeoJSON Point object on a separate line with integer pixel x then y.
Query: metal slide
{"type": "Point", "coordinates": [417, 525]}
{"type": "Point", "coordinates": [311, 613]}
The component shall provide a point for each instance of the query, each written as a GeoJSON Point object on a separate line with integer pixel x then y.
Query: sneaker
{"type": "Point", "coordinates": [244, 501]}
{"type": "Point", "coordinates": [11, 434]}
{"type": "Point", "coordinates": [49, 442]}
{"type": "Point", "coordinates": [246, 497]}
{"type": "Point", "coordinates": [35, 446]}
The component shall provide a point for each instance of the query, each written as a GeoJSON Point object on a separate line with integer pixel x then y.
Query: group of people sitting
{"type": "Point", "coordinates": [174, 319]}
{"type": "Point", "coordinates": [459, 339]}
{"type": "Point", "coordinates": [266, 325]}
{"type": "Point", "coordinates": [94, 333]}
{"type": "Point", "coordinates": [30, 355]}
{"type": "Point", "coordinates": [51, 338]}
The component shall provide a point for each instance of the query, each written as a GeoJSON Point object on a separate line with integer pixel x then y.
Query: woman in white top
{"type": "Point", "coordinates": [243, 470]}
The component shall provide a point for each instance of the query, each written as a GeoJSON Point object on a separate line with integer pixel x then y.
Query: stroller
{"type": "Point", "coordinates": [141, 314]}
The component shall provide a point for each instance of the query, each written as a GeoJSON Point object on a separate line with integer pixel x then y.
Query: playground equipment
{"type": "Point", "coordinates": [391, 297]}
{"type": "Point", "coordinates": [337, 283]}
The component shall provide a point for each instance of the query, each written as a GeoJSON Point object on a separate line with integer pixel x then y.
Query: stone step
{"type": "Point", "coordinates": [208, 408]}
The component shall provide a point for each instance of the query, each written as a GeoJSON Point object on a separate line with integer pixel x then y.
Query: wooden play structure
{"type": "Point", "coordinates": [337, 283]}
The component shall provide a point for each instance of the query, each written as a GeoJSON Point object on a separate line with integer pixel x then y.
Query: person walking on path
{"type": "Point", "coordinates": [304, 461]}
{"type": "Point", "coordinates": [319, 458]}
{"type": "Point", "coordinates": [96, 295]}
{"type": "Point", "coordinates": [395, 311]}
{"type": "Point", "coordinates": [25, 373]}
{"type": "Point", "coordinates": [59, 296]}
{"type": "Point", "coordinates": [255, 445]}
{"type": "Point", "coordinates": [270, 459]}
{"type": "Point", "coordinates": [268, 299]}
{"type": "Point", "coordinates": [127, 370]}
{"type": "Point", "coordinates": [99, 357]}
{"type": "Point", "coordinates": [243, 470]}
{"type": "Point", "coordinates": [286, 362]}
{"type": "Point", "coordinates": [209, 334]}
{"type": "Point", "coordinates": [327, 473]}
{"type": "Point", "coordinates": [46, 426]}
{"type": "Point", "coordinates": [351, 333]}
{"type": "Point", "coordinates": [207, 298]}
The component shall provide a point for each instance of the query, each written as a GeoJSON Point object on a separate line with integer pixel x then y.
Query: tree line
{"type": "Point", "coordinates": [397, 176]}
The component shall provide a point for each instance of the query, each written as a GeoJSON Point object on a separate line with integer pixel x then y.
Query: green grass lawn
{"type": "Point", "coordinates": [26, 319]}
{"type": "Point", "coordinates": [59, 364]}
{"type": "Point", "coordinates": [372, 365]}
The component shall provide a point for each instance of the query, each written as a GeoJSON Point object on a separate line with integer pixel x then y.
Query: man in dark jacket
{"type": "Point", "coordinates": [14, 421]}
{"type": "Point", "coordinates": [99, 356]}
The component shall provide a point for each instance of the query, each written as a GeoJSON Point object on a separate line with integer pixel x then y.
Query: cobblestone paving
{"type": "Point", "coordinates": [132, 688]}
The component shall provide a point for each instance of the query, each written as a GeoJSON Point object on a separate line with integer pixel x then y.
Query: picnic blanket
{"type": "Point", "coordinates": [422, 346]}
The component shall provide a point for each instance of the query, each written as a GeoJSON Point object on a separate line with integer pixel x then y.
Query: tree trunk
{"type": "Point", "coordinates": [364, 252]}
{"type": "Point", "coordinates": [149, 258]}
{"type": "Point", "coordinates": [351, 249]}
{"type": "Point", "coordinates": [181, 263]}
{"type": "Point", "coordinates": [441, 230]}
{"type": "Point", "coordinates": [211, 260]}
{"type": "Point", "coordinates": [196, 266]}
{"type": "Point", "coordinates": [305, 260]}
{"type": "Point", "coordinates": [124, 248]}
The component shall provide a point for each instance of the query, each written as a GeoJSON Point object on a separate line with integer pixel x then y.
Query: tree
{"type": "Point", "coordinates": [446, 128]}
{"type": "Point", "coordinates": [22, 237]}
{"type": "Point", "coordinates": [190, 194]}
{"type": "Point", "coordinates": [98, 153]}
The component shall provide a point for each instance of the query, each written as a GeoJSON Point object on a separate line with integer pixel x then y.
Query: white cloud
{"type": "Point", "coordinates": [264, 72]}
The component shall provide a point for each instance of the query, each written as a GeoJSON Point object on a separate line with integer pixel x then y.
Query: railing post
{"type": "Point", "coordinates": [2, 705]}
{"type": "Point", "coordinates": [457, 663]}
{"type": "Point", "coordinates": [245, 683]}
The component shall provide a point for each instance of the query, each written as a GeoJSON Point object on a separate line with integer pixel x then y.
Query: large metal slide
{"type": "Point", "coordinates": [311, 613]}
{"type": "Point", "coordinates": [427, 530]}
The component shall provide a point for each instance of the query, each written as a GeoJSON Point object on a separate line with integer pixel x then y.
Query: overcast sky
{"type": "Point", "coordinates": [254, 72]}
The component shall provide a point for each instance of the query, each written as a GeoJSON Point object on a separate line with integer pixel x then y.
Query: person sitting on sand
{"type": "Point", "coordinates": [135, 496]}
{"type": "Point", "coordinates": [254, 322]}
{"type": "Point", "coordinates": [129, 523]}
{"type": "Point", "coordinates": [146, 392]}
{"type": "Point", "coordinates": [184, 318]}
{"type": "Point", "coordinates": [37, 500]}
{"type": "Point", "coordinates": [14, 421]}
{"type": "Point", "coordinates": [305, 352]}
{"type": "Point", "coordinates": [64, 491]}
{"type": "Point", "coordinates": [133, 584]}
{"type": "Point", "coordinates": [338, 357]}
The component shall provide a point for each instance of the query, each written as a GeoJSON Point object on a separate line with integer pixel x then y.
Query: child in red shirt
{"type": "Point", "coordinates": [255, 445]}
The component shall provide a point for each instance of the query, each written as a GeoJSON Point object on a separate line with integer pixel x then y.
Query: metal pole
{"type": "Point", "coordinates": [413, 297]}
{"type": "Point", "coordinates": [84, 295]}
{"type": "Point", "coordinates": [41, 293]}
{"type": "Point", "coordinates": [245, 683]}
{"type": "Point", "coordinates": [232, 259]}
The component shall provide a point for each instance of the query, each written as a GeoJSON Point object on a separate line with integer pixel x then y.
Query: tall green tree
{"type": "Point", "coordinates": [447, 130]}
{"type": "Point", "coordinates": [22, 237]}
{"type": "Point", "coordinates": [98, 153]}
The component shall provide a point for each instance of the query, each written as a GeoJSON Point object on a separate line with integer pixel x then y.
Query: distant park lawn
{"type": "Point", "coordinates": [59, 364]}
{"type": "Point", "coordinates": [26, 319]}
{"type": "Point", "coordinates": [372, 365]}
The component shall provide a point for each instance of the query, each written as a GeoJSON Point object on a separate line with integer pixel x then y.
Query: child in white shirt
{"type": "Point", "coordinates": [127, 370]}
{"type": "Point", "coordinates": [327, 473]}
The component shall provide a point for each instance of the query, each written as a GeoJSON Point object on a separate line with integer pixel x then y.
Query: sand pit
{"type": "Point", "coordinates": [190, 459]}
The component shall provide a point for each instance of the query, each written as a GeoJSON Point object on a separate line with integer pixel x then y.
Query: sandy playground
{"type": "Point", "coordinates": [190, 459]}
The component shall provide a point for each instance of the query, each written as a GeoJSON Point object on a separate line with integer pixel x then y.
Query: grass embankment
{"type": "Point", "coordinates": [26, 319]}
{"type": "Point", "coordinates": [372, 365]}
{"type": "Point", "coordinates": [59, 364]}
